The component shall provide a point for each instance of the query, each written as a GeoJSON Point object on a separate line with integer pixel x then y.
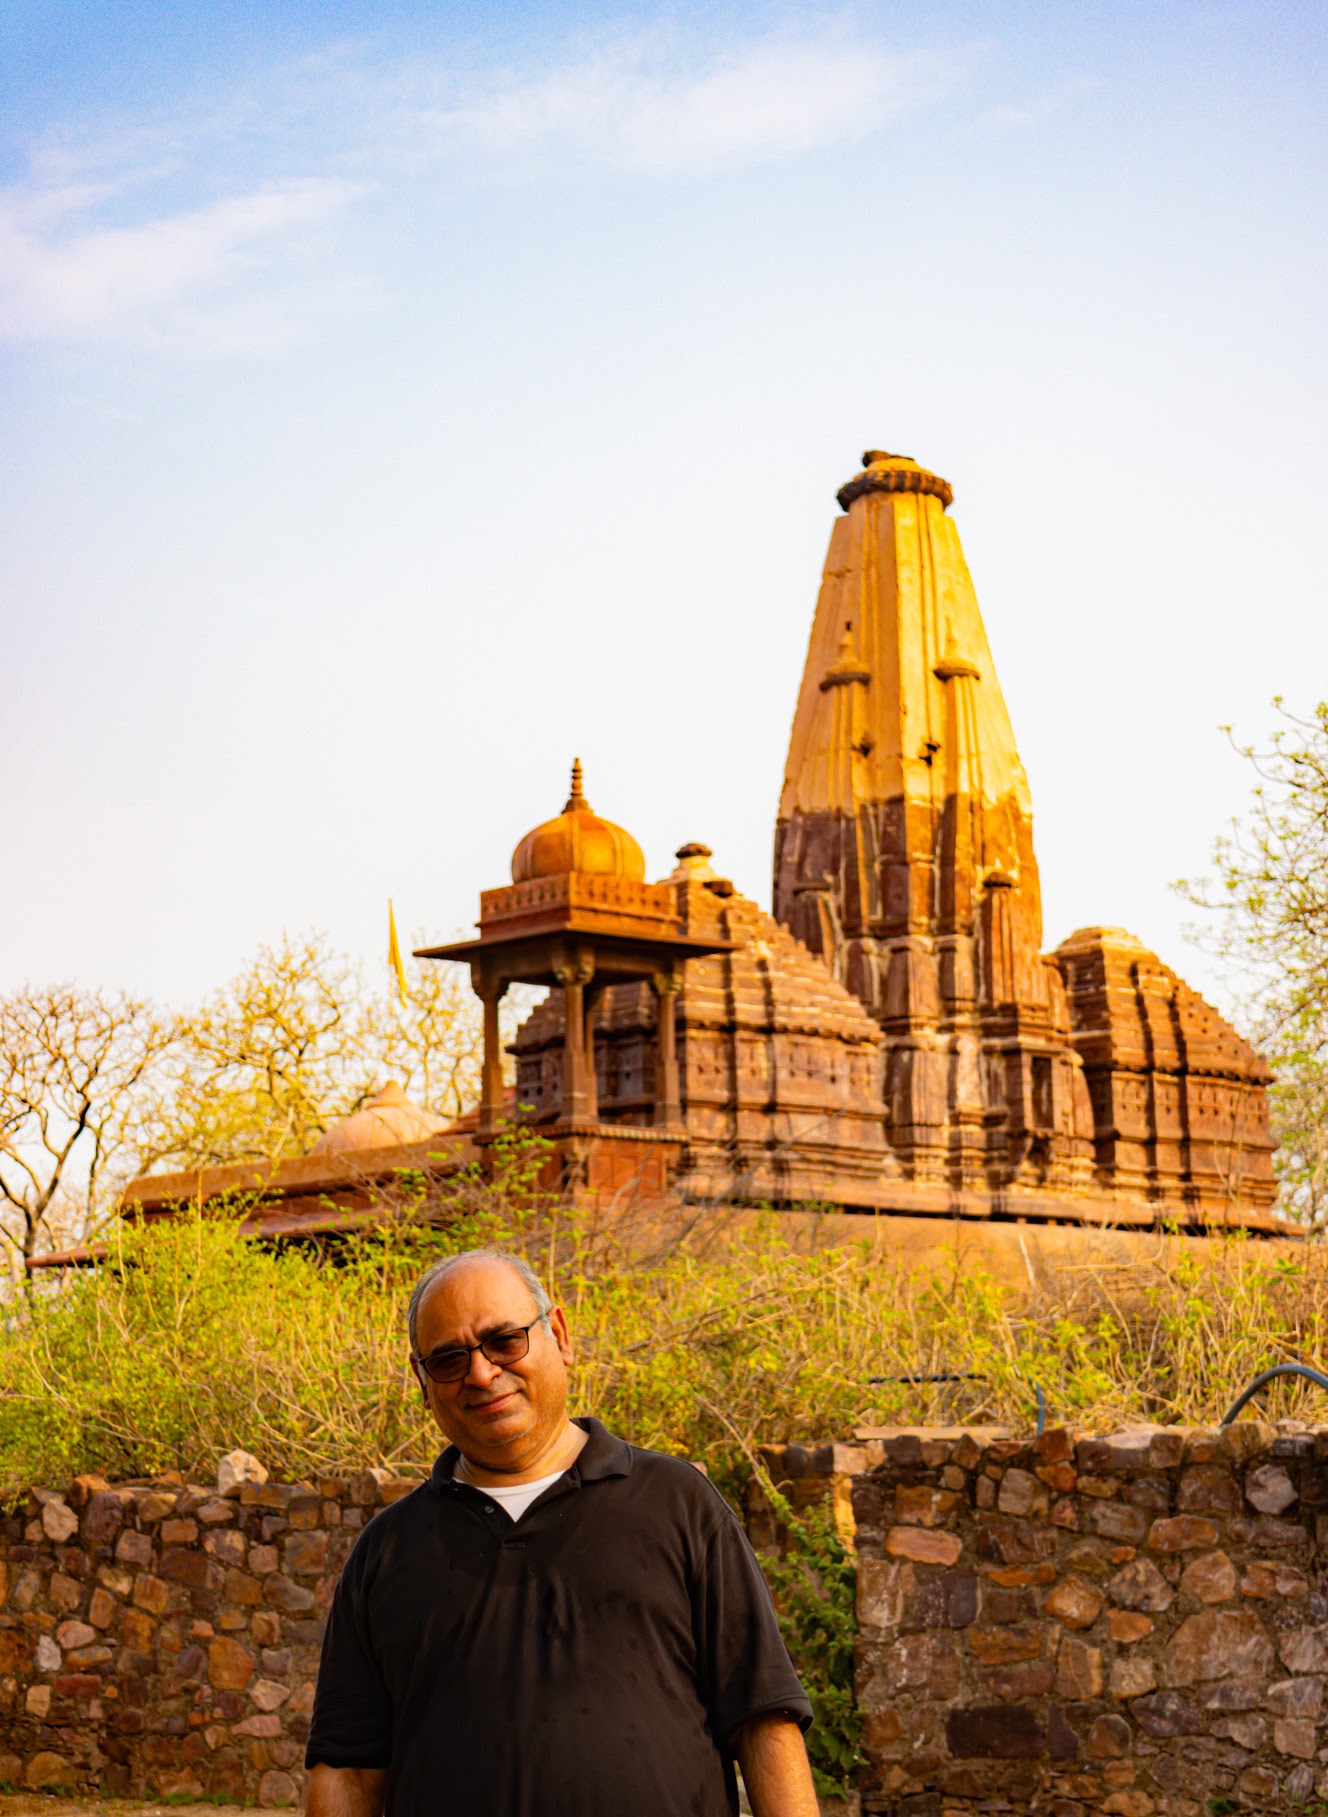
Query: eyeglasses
{"type": "Point", "coordinates": [499, 1347]}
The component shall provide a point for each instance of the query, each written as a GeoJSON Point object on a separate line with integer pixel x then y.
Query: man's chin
{"type": "Point", "coordinates": [499, 1421]}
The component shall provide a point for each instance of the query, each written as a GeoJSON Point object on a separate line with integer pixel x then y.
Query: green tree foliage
{"type": "Point", "coordinates": [1269, 897]}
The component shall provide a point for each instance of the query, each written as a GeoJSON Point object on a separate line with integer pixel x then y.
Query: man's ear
{"type": "Point", "coordinates": [558, 1332]}
{"type": "Point", "coordinates": [418, 1373]}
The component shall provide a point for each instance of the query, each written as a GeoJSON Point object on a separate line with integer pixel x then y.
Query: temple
{"type": "Point", "coordinates": [904, 859]}
{"type": "Point", "coordinates": [892, 1038]}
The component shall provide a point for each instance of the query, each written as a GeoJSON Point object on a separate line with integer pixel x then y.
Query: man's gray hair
{"type": "Point", "coordinates": [437, 1270]}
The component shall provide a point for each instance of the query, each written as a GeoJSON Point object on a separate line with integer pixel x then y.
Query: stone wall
{"type": "Point", "coordinates": [1134, 1625]}
{"type": "Point", "coordinates": [160, 1638]}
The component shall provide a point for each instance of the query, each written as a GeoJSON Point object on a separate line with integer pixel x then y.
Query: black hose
{"type": "Point", "coordinates": [1262, 1381]}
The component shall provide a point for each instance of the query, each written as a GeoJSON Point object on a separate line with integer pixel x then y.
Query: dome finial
{"type": "Point", "coordinates": [578, 840]}
{"type": "Point", "coordinates": [576, 802]}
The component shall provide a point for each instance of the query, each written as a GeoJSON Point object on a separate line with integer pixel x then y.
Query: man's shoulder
{"type": "Point", "coordinates": [679, 1481]}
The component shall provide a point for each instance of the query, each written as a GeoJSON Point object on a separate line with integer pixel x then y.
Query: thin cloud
{"type": "Point", "coordinates": [641, 112]}
{"type": "Point", "coordinates": [90, 250]}
{"type": "Point", "coordinates": [60, 281]}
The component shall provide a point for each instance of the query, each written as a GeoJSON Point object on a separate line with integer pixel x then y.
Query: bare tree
{"type": "Point", "coordinates": [71, 1062]}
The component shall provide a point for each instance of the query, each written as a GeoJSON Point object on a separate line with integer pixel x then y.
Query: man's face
{"type": "Point", "coordinates": [500, 1415]}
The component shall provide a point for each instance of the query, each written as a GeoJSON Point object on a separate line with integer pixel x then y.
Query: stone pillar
{"type": "Point", "coordinates": [490, 990]}
{"type": "Point", "coordinates": [574, 974]}
{"type": "Point", "coordinates": [591, 996]}
{"type": "Point", "coordinates": [668, 1097]}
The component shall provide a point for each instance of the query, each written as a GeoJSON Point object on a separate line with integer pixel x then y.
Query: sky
{"type": "Point", "coordinates": [399, 401]}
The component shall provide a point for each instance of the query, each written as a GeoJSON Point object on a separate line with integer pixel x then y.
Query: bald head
{"type": "Point", "coordinates": [437, 1272]}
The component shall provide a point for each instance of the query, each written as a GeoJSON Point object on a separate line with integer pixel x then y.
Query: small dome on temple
{"type": "Point", "coordinates": [578, 840]}
{"type": "Point", "coordinates": [389, 1120]}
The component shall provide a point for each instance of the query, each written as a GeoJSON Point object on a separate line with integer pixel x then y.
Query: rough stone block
{"type": "Point", "coordinates": [1165, 1714]}
{"type": "Point", "coordinates": [181, 1566]}
{"type": "Point", "coordinates": [923, 1547]}
{"type": "Point", "coordinates": [1182, 1533]}
{"type": "Point", "coordinates": [1269, 1488]}
{"type": "Point", "coordinates": [1268, 1531]}
{"type": "Point", "coordinates": [1296, 1697]}
{"type": "Point", "coordinates": [919, 1662]}
{"type": "Point", "coordinates": [1247, 1731]}
{"type": "Point", "coordinates": [102, 1608]}
{"type": "Point", "coordinates": [59, 1522]}
{"type": "Point", "coordinates": [1118, 1521]}
{"type": "Point", "coordinates": [1304, 1649]}
{"type": "Point", "coordinates": [1021, 1494]}
{"type": "Point", "coordinates": [1109, 1738]}
{"type": "Point", "coordinates": [1295, 1735]}
{"type": "Point", "coordinates": [136, 1629]}
{"type": "Point", "coordinates": [240, 1589]}
{"type": "Point", "coordinates": [919, 1505]}
{"type": "Point", "coordinates": [45, 1769]}
{"type": "Point", "coordinates": [261, 1727]}
{"type": "Point", "coordinates": [306, 1554]}
{"type": "Point", "coordinates": [227, 1545]}
{"type": "Point", "coordinates": [995, 1732]}
{"type": "Point", "coordinates": [1017, 1683]}
{"type": "Point", "coordinates": [230, 1665]}
{"type": "Point", "coordinates": [1127, 1627]}
{"type": "Point", "coordinates": [1208, 1489]}
{"type": "Point", "coordinates": [133, 1548]}
{"type": "Point", "coordinates": [151, 1593]}
{"type": "Point", "coordinates": [1055, 1446]}
{"type": "Point", "coordinates": [267, 1695]}
{"type": "Point", "coordinates": [1210, 1579]}
{"type": "Point", "coordinates": [1075, 1603]}
{"type": "Point", "coordinates": [65, 1593]}
{"type": "Point", "coordinates": [1132, 1675]}
{"type": "Point", "coordinates": [1140, 1585]}
{"type": "Point", "coordinates": [1218, 1643]}
{"type": "Point", "coordinates": [1005, 1646]}
{"type": "Point", "coordinates": [1078, 1670]}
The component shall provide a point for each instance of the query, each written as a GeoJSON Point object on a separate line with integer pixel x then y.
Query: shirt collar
{"type": "Point", "coordinates": [602, 1455]}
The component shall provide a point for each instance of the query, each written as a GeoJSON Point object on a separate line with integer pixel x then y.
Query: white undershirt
{"type": "Point", "coordinates": [514, 1500]}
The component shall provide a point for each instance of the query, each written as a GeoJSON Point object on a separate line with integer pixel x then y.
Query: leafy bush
{"type": "Point", "coordinates": [191, 1339]}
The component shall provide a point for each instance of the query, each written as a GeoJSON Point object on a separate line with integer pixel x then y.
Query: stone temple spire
{"type": "Point", "coordinates": [904, 848]}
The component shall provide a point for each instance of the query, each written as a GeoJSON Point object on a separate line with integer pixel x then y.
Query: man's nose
{"type": "Point", "coordinates": [481, 1372]}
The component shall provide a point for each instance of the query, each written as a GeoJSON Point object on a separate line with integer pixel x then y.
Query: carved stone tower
{"type": "Point", "coordinates": [904, 850]}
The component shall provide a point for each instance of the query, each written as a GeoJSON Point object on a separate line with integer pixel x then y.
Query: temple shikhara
{"type": "Point", "coordinates": [891, 1037]}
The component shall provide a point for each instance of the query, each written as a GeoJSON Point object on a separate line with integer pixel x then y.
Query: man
{"type": "Point", "coordinates": [556, 1624]}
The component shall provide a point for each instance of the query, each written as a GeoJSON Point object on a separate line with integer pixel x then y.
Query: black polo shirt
{"type": "Point", "coordinates": [593, 1659]}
